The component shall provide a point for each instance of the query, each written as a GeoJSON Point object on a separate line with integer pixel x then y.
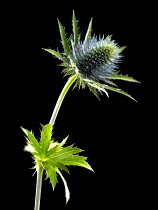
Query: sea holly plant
{"type": "Point", "coordinates": [93, 63]}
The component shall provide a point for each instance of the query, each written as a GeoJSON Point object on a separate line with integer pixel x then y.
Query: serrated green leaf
{"type": "Point", "coordinates": [99, 88]}
{"type": "Point", "coordinates": [94, 91]}
{"type": "Point", "coordinates": [67, 192]}
{"type": "Point", "coordinates": [62, 167]}
{"type": "Point", "coordinates": [123, 77]}
{"type": "Point", "coordinates": [107, 81]}
{"type": "Point", "coordinates": [75, 29]}
{"type": "Point", "coordinates": [54, 163]}
{"type": "Point", "coordinates": [89, 31]}
{"type": "Point", "coordinates": [57, 54]}
{"type": "Point", "coordinates": [32, 141]}
{"type": "Point", "coordinates": [76, 160]}
{"type": "Point", "coordinates": [119, 91]}
{"type": "Point", "coordinates": [46, 137]}
{"type": "Point", "coordinates": [65, 41]}
{"type": "Point", "coordinates": [31, 149]}
{"type": "Point", "coordinates": [51, 174]}
{"type": "Point", "coordinates": [66, 152]}
{"type": "Point", "coordinates": [63, 141]}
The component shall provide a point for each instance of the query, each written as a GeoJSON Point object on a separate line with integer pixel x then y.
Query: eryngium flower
{"type": "Point", "coordinates": [94, 60]}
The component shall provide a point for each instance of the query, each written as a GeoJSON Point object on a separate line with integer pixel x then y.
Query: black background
{"type": "Point", "coordinates": [111, 131]}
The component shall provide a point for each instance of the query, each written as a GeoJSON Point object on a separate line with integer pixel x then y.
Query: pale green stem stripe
{"type": "Point", "coordinates": [38, 187]}
{"type": "Point", "coordinates": [61, 98]}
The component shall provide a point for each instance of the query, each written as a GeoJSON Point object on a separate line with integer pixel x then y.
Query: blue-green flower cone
{"type": "Point", "coordinates": [94, 60]}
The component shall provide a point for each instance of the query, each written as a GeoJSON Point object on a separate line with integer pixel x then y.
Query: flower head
{"type": "Point", "coordinates": [94, 60]}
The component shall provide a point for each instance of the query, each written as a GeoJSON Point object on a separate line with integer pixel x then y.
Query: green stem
{"type": "Point", "coordinates": [52, 121]}
{"type": "Point", "coordinates": [38, 187]}
{"type": "Point", "coordinates": [61, 98]}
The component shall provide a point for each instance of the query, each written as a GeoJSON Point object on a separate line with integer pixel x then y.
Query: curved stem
{"type": "Point", "coordinates": [61, 98]}
{"type": "Point", "coordinates": [52, 121]}
{"type": "Point", "coordinates": [38, 187]}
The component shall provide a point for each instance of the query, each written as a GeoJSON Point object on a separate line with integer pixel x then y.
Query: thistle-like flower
{"type": "Point", "coordinates": [94, 60]}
